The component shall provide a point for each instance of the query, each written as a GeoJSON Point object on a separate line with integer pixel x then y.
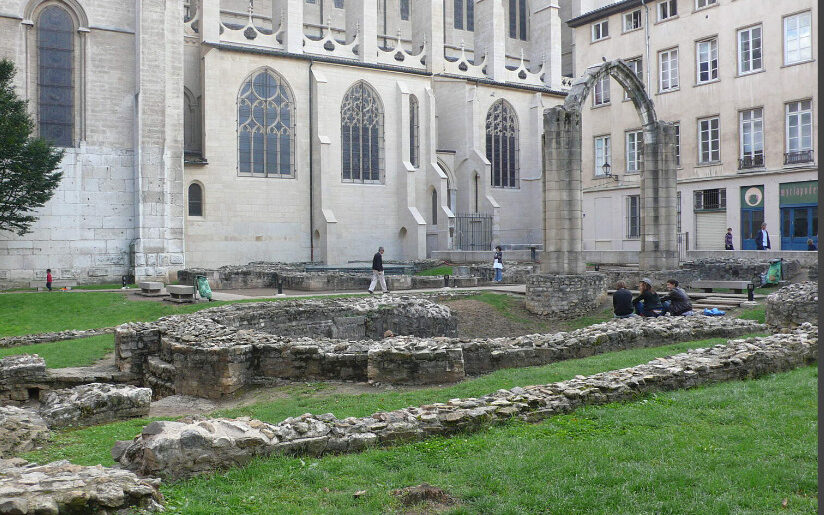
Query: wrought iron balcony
{"type": "Point", "coordinates": [801, 156]}
{"type": "Point", "coordinates": [751, 161]}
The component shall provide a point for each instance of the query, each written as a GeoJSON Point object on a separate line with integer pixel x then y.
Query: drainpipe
{"type": "Point", "coordinates": [311, 169]}
{"type": "Point", "coordinates": [646, 38]}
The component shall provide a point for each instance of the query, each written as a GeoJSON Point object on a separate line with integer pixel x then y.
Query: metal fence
{"type": "Point", "coordinates": [473, 231]}
{"type": "Point", "coordinates": [683, 245]}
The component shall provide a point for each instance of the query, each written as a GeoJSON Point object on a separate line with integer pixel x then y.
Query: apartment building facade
{"type": "Point", "coordinates": [739, 78]}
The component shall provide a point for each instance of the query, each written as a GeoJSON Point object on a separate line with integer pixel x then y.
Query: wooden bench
{"type": "Point", "coordinates": [735, 286]}
{"type": "Point", "coordinates": [180, 293]}
{"type": "Point", "coordinates": [151, 289]}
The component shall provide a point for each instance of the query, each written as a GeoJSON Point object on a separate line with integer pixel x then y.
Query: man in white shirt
{"type": "Point", "coordinates": [762, 239]}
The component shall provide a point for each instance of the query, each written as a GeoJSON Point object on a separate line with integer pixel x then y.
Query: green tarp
{"type": "Point", "coordinates": [774, 272]}
{"type": "Point", "coordinates": [203, 287]}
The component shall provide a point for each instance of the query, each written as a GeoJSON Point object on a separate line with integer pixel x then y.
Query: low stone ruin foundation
{"type": "Point", "coordinates": [215, 352]}
{"type": "Point", "coordinates": [60, 487]}
{"type": "Point", "coordinates": [21, 430]}
{"type": "Point", "coordinates": [565, 296]}
{"type": "Point", "coordinates": [792, 306]}
{"type": "Point", "coordinates": [93, 404]}
{"type": "Point", "coordinates": [190, 447]}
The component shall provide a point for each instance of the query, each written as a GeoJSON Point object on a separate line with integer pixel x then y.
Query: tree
{"type": "Point", "coordinates": [27, 164]}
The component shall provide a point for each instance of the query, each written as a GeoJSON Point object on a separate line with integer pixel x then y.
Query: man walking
{"type": "Point", "coordinates": [377, 272]}
{"type": "Point", "coordinates": [762, 239]}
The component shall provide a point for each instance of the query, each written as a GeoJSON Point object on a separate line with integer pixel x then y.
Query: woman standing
{"type": "Point", "coordinates": [498, 264]}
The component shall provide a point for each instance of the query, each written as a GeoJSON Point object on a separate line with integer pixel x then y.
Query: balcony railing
{"type": "Point", "coordinates": [751, 161]}
{"type": "Point", "coordinates": [801, 156]}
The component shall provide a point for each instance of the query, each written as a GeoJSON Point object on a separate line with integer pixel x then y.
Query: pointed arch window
{"type": "Point", "coordinates": [414, 132]}
{"type": "Point", "coordinates": [266, 127]}
{"type": "Point", "coordinates": [361, 116]}
{"type": "Point", "coordinates": [502, 144]}
{"type": "Point", "coordinates": [55, 48]}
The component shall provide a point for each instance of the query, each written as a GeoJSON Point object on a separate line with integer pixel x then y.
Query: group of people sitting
{"type": "Point", "coordinates": [648, 303]}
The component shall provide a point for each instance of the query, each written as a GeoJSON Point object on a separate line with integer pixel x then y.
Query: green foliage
{"type": "Point", "coordinates": [69, 353]}
{"type": "Point", "coordinates": [505, 304]}
{"type": "Point", "coordinates": [438, 270]}
{"type": "Point", "coordinates": [27, 164]}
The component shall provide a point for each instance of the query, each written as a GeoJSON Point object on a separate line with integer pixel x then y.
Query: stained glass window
{"type": "Point", "coordinates": [502, 144]}
{"type": "Point", "coordinates": [55, 47]}
{"type": "Point", "coordinates": [361, 129]}
{"type": "Point", "coordinates": [266, 127]}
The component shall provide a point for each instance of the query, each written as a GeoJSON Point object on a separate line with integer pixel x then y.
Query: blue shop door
{"type": "Point", "coordinates": [798, 224]}
{"type": "Point", "coordinates": [751, 220]}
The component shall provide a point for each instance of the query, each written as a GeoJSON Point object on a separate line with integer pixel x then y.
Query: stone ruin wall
{"type": "Point", "coordinates": [214, 353]}
{"type": "Point", "coordinates": [191, 447]}
{"type": "Point", "coordinates": [792, 306]}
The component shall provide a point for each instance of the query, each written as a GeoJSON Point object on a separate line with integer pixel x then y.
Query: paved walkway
{"type": "Point", "coordinates": [252, 293]}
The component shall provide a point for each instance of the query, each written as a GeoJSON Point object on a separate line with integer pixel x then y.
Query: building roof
{"type": "Point", "coordinates": [604, 12]}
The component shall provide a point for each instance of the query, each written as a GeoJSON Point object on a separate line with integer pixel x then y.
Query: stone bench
{"type": "Point", "coordinates": [56, 285]}
{"type": "Point", "coordinates": [735, 286]}
{"type": "Point", "coordinates": [180, 293]}
{"type": "Point", "coordinates": [151, 289]}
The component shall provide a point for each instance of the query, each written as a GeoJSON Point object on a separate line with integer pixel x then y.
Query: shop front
{"type": "Point", "coordinates": [798, 202]}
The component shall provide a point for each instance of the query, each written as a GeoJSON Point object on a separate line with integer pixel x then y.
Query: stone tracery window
{"type": "Point", "coordinates": [361, 126]}
{"type": "Point", "coordinates": [502, 144]}
{"type": "Point", "coordinates": [55, 48]}
{"type": "Point", "coordinates": [266, 127]}
{"type": "Point", "coordinates": [414, 131]}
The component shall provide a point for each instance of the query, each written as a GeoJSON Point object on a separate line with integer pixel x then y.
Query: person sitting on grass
{"type": "Point", "coordinates": [648, 303]}
{"type": "Point", "coordinates": [676, 302]}
{"type": "Point", "coordinates": [622, 301]}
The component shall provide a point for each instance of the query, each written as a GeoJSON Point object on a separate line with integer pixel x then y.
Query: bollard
{"type": "Point", "coordinates": [446, 281]}
{"type": "Point", "coordinates": [280, 287]}
{"type": "Point", "coordinates": [750, 291]}
{"type": "Point", "coordinates": [533, 254]}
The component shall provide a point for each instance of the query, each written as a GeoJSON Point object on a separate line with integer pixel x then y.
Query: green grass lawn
{"type": "Point", "coordinates": [28, 313]}
{"type": "Point", "coordinates": [69, 353]}
{"type": "Point", "coordinates": [90, 446]}
{"type": "Point", "coordinates": [505, 305]}
{"type": "Point", "coordinates": [438, 270]}
{"type": "Point", "coordinates": [757, 313]}
{"type": "Point", "coordinates": [737, 447]}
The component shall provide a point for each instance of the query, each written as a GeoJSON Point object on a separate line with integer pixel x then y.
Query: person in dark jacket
{"type": "Point", "coordinates": [676, 302]}
{"type": "Point", "coordinates": [622, 301]}
{"type": "Point", "coordinates": [498, 264]}
{"type": "Point", "coordinates": [728, 240]}
{"type": "Point", "coordinates": [648, 303]}
{"type": "Point", "coordinates": [377, 272]}
{"type": "Point", "coordinates": [762, 238]}
{"type": "Point", "coordinates": [811, 245]}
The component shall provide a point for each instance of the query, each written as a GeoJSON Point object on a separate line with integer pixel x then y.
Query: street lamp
{"type": "Point", "coordinates": [608, 171]}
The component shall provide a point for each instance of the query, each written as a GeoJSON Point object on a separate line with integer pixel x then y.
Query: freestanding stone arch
{"type": "Point", "coordinates": [563, 177]}
{"type": "Point", "coordinates": [562, 288]}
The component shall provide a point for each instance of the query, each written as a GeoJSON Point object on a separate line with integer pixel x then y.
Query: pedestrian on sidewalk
{"type": "Point", "coordinates": [498, 264]}
{"type": "Point", "coordinates": [728, 240]}
{"type": "Point", "coordinates": [762, 239]}
{"type": "Point", "coordinates": [377, 272]}
{"type": "Point", "coordinates": [48, 279]}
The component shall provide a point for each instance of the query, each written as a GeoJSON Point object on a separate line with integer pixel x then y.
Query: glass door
{"type": "Point", "coordinates": [798, 224]}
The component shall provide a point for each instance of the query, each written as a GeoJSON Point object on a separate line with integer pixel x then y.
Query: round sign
{"type": "Point", "coordinates": [753, 196]}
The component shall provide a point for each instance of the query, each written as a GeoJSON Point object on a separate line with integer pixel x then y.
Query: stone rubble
{"type": "Point", "coordinates": [21, 430]}
{"type": "Point", "coordinates": [60, 487]}
{"type": "Point", "coordinates": [792, 306]}
{"type": "Point", "coordinates": [93, 404]}
{"type": "Point", "coordinates": [195, 446]}
{"type": "Point", "coordinates": [31, 339]}
{"type": "Point", "coordinates": [20, 376]}
{"type": "Point", "coordinates": [214, 353]}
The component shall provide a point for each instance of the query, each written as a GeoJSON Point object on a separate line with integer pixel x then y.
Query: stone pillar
{"type": "Point", "coordinates": [659, 244]}
{"type": "Point", "coordinates": [427, 27]}
{"type": "Point", "coordinates": [563, 196]}
{"type": "Point", "coordinates": [545, 40]}
{"type": "Point", "coordinates": [210, 21]}
{"type": "Point", "coordinates": [362, 19]}
{"type": "Point", "coordinates": [159, 140]}
{"type": "Point", "coordinates": [292, 20]}
{"type": "Point", "coordinates": [490, 37]}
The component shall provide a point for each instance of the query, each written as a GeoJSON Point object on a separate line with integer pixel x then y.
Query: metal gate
{"type": "Point", "coordinates": [473, 231]}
